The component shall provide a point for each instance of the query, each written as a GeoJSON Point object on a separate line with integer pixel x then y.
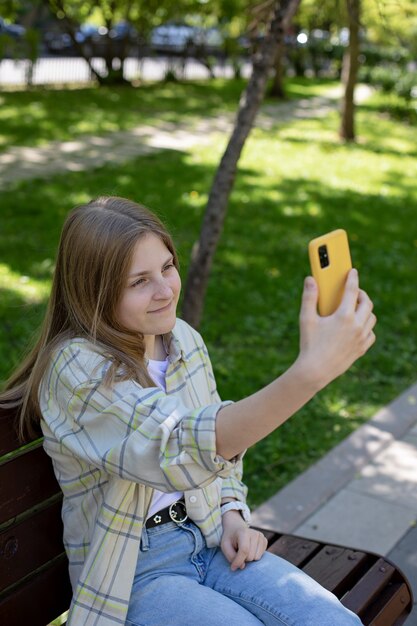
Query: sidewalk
{"type": "Point", "coordinates": [362, 494]}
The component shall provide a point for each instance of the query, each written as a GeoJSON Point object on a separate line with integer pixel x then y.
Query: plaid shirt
{"type": "Point", "coordinates": [111, 447]}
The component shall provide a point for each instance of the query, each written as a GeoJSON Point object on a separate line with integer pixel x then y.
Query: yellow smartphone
{"type": "Point", "coordinates": [330, 262]}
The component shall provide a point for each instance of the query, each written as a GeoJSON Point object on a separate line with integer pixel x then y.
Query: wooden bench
{"type": "Point", "coordinates": [34, 583]}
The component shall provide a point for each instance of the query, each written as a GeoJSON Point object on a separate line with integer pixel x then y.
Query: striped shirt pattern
{"type": "Point", "coordinates": [112, 446]}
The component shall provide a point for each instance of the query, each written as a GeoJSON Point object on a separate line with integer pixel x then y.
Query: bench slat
{"type": "Point", "coordinates": [28, 544]}
{"type": "Point", "coordinates": [33, 481]}
{"type": "Point", "coordinates": [335, 568]}
{"type": "Point", "coordinates": [294, 549]}
{"type": "Point", "coordinates": [367, 584]}
{"type": "Point", "coordinates": [39, 600]}
{"type": "Point", "coordinates": [393, 606]}
{"type": "Point", "coordinates": [368, 587]}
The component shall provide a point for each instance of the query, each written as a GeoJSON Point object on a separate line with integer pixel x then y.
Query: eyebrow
{"type": "Point", "coordinates": [136, 274]}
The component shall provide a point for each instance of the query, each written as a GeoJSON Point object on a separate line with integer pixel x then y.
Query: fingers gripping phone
{"type": "Point", "coordinates": [330, 262]}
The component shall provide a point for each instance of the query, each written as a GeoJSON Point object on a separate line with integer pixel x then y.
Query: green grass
{"type": "Point", "coordinates": [295, 182]}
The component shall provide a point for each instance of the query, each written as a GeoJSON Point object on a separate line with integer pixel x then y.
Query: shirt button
{"type": "Point", "coordinates": [193, 499]}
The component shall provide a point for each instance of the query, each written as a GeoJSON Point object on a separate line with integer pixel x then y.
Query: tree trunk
{"type": "Point", "coordinates": [350, 72]}
{"type": "Point", "coordinates": [205, 247]}
{"type": "Point", "coordinates": [277, 87]}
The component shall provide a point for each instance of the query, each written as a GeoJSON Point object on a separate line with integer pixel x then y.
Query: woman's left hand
{"type": "Point", "coordinates": [239, 543]}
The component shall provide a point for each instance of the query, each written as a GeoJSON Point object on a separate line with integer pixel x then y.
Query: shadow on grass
{"type": "Point", "coordinates": [374, 147]}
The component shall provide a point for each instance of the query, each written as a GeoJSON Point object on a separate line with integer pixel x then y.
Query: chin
{"type": "Point", "coordinates": [169, 327]}
{"type": "Point", "coordinates": [166, 327]}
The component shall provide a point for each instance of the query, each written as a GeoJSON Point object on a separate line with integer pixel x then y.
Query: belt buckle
{"type": "Point", "coordinates": [174, 515]}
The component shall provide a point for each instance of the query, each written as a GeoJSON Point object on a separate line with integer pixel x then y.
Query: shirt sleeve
{"type": "Point", "coordinates": [139, 434]}
{"type": "Point", "coordinates": [233, 486]}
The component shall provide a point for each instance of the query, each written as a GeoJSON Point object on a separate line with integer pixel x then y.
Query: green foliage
{"type": "Point", "coordinates": [383, 77]}
{"type": "Point", "coordinates": [10, 8]}
{"type": "Point", "coordinates": [383, 21]}
{"type": "Point", "coordinates": [392, 80]}
{"type": "Point", "coordinates": [391, 105]}
{"type": "Point", "coordinates": [391, 23]}
{"type": "Point", "coordinates": [386, 68]}
{"type": "Point", "coordinates": [26, 47]}
{"type": "Point", "coordinates": [295, 181]}
{"type": "Point", "coordinates": [327, 15]}
{"type": "Point", "coordinates": [373, 55]}
{"type": "Point", "coordinates": [406, 86]}
{"type": "Point", "coordinates": [6, 45]}
{"type": "Point", "coordinates": [317, 55]}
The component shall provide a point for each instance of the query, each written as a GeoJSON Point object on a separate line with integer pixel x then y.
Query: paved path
{"type": "Point", "coordinates": [88, 152]}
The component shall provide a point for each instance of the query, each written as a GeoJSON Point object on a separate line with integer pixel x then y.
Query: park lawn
{"type": "Point", "coordinates": [295, 182]}
{"type": "Point", "coordinates": [32, 118]}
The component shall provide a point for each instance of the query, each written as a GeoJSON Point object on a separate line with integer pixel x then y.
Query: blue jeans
{"type": "Point", "coordinates": [181, 582]}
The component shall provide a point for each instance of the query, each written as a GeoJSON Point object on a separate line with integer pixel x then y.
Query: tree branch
{"type": "Point", "coordinates": [204, 249]}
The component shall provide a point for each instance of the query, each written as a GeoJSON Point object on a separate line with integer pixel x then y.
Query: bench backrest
{"type": "Point", "coordinates": [34, 582]}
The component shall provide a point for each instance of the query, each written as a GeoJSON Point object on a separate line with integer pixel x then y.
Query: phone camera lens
{"type": "Point", "coordinates": [323, 256]}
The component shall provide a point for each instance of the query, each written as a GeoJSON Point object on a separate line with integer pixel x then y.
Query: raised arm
{"type": "Point", "coordinates": [328, 347]}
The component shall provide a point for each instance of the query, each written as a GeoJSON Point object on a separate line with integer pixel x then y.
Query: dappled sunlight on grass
{"type": "Point", "coordinates": [31, 290]}
{"type": "Point", "coordinates": [236, 259]}
{"type": "Point", "coordinates": [42, 115]}
{"type": "Point", "coordinates": [300, 87]}
{"type": "Point", "coordinates": [38, 116]}
{"type": "Point", "coordinates": [374, 135]}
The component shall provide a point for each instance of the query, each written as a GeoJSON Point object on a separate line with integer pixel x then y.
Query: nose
{"type": "Point", "coordinates": [163, 290]}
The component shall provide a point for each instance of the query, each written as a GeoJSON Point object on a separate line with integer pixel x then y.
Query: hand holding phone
{"type": "Point", "coordinates": [330, 262]}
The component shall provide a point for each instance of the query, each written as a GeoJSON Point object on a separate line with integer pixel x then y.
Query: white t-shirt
{"type": "Point", "coordinates": [160, 500]}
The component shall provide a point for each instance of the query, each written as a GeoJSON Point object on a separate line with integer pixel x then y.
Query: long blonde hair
{"type": "Point", "coordinates": [93, 259]}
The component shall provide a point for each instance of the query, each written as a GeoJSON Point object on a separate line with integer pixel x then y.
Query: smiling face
{"type": "Point", "coordinates": [149, 300]}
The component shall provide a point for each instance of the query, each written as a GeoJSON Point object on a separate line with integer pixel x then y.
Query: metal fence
{"type": "Point", "coordinates": [65, 70]}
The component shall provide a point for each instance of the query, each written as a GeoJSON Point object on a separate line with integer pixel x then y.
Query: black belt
{"type": "Point", "coordinates": [175, 512]}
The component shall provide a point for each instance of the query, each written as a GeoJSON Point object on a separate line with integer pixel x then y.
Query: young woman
{"type": "Point", "coordinates": [148, 458]}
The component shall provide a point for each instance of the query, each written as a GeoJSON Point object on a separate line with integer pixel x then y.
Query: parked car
{"type": "Point", "coordinates": [171, 37]}
{"type": "Point", "coordinates": [58, 42]}
{"type": "Point", "coordinates": [211, 38]}
{"type": "Point", "coordinates": [96, 40]}
{"type": "Point", "coordinates": [124, 30]}
{"type": "Point", "coordinates": [175, 37]}
{"type": "Point", "coordinates": [126, 37]}
{"type": "Point", "coordinates": [92, 38]}
{"type": "Point", "coordinates": [13, 30]}
{"type": "Point", "coordinates": [90, 32]}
